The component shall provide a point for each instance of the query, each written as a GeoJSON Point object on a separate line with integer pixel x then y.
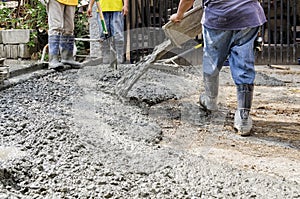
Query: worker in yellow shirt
{"type": "Point", "coordinates": [61, 15]}
{"type": "Point", "coordinates": [113, 12]}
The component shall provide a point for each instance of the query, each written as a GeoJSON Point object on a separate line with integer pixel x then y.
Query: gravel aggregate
{"type": "Point", "coordinates": [66, 135]}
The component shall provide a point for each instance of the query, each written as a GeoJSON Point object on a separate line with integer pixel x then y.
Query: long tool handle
{"type": "Point", "coordinates": [183, 53]}
{"type": "Point", "coordinates": [103, 24]}
{"type": "Point", "coordinates": [172, 59]}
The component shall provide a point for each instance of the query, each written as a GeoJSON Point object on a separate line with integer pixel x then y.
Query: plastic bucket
{"type": "Point", "coordinates": [187, 29]}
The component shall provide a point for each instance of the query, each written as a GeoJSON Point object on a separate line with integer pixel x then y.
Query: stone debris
{"type": "Point", "coordinates": [80, 141]}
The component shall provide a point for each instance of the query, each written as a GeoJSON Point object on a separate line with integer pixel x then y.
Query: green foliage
{"type": "Point", "coordinates": [5, 18]}
{"type": "Point", "coordinates": [33, 38]}
{"type": "Point", "coordinates": [28, 16]}
{"type": "Point", "coordinates": [81, 30]}
{"type": "Point", "coordinates": [33, 16]}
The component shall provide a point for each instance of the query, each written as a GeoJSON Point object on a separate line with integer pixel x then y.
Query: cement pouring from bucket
{"type": "Point", "coordinates": [177, 34]}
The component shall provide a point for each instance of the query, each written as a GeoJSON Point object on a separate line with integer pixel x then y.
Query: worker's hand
{"type": "Point", "coordinates": [89, 12]}
{"type": "Point", "coordinates": [125, 10]}
{"type": "Point", "coordinates": [176, 17]}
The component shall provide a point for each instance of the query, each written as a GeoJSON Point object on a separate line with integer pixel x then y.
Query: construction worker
{"type": "Point", "coordinates": [229, 30]}
{"type": "Point", "coordinates": [61, 14]}
{"type": "Point", "coordinates": [113, 12]}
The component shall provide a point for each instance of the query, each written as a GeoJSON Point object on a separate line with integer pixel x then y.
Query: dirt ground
{"type": "Point", "coordinates": [274, 144]}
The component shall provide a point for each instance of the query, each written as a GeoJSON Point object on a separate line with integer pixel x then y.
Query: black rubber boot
{"type": "Point", "coordinates": [54, 63]}
{"type": "Point", "coordinates": [242, 119]}
{"type": "Point", "coordinates": [66, 49]}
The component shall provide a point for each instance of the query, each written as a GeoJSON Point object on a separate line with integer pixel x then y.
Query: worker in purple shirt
{"type": "Point", "coordinates": [230, 28]}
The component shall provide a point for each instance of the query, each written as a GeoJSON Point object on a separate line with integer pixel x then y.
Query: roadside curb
{"type": "Point", "coordinates": [19, 74]}
{"type": "Point", "coordinates": [27, 69]}
{"type": "Point", "coordinates": [23, 72]}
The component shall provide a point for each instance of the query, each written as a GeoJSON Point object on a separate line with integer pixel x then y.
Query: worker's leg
{"type": "Point", "coordinates": [67, 41]}
{"type": "Point", "coordinates": [241, 61]}
{"type": "Point", "coordinates": [105, 43]}
{"type": "Point", "coordinates": [118, 34]}
{"type": "Point", "coordinates": [55, 20]}
{"type": "Point", "coordinates": [216, 47]}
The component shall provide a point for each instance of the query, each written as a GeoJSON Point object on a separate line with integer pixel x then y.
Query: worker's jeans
{"type": "Point", "coordinates": [115, 25]}
{"type": "Point", "coordinates": [237, 46]}
{"type": "Point", "coordinates": [115, 28]}
{"type": "Point", "coordinates": [60, 18]}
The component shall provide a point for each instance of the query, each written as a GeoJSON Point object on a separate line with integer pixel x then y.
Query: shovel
{"type": "Point", "coordinates": [113, 63]}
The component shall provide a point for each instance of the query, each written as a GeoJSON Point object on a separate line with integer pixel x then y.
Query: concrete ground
{"type": "Point", "coordinates": [159, 144]}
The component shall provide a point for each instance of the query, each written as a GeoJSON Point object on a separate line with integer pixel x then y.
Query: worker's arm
{"type": "Point", "coordinates": [125, 7]}
{"type": "Point", "coordinates": [90, 8]}
{"type": "Point", "coordinates": [183, 6]}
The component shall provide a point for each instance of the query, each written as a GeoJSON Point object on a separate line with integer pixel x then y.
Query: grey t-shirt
{"type": "Point", "coordinates": [232, 14]}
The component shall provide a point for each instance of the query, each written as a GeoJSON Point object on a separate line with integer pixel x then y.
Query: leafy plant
{"type": "Point", "coordinates": [33, 15]}
{"type": "Point", "coordinates": [81, 30]}
{"type": "Point", "coordinates": [27, 16]}
{"type": "Point", "coordinates": [32, 41]}
{"type": "Point", "coordinates": [6, 19]}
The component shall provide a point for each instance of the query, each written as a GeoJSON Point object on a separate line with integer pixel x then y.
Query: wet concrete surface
{"type": "Point", "coordinates": [79, 140]}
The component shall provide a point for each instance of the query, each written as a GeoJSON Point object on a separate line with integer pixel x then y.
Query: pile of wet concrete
{"type": "Point", "coordinates": [76, 139]}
